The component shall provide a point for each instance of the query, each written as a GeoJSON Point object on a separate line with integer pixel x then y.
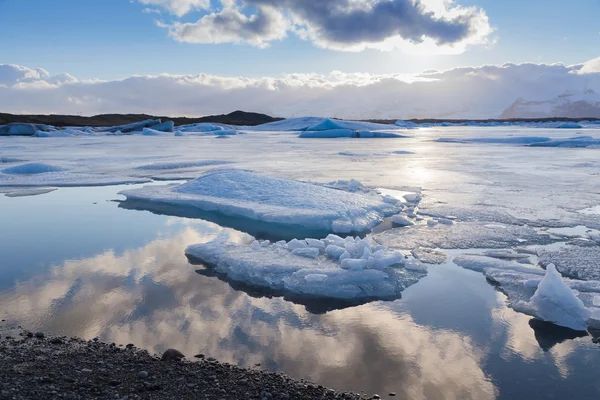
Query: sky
{"type": "Point", "coordinates": [334, 45]}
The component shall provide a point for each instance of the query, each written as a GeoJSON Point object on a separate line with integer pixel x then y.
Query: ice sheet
{"type": "Point", "coordinates": [259, 197]}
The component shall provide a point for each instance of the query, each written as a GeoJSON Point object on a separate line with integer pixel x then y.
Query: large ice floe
{"type": "Point", "coordinates": [273, 204]}
{"type": "Point", "coordinates": [352, 269]}
{"type": "Point", "coordinates": [40, 174]}
{"type": "Point", "coordinates": [544, 294]}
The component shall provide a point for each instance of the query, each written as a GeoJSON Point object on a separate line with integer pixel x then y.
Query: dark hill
{"type": "Point", "coordinates": [234, 118]}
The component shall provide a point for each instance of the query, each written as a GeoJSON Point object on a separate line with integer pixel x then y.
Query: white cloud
{"type": "Point", "coordinates": [470, 92]}
{"type": "Point", "coordinates": [231, 26]}
{"type": "Point", "coordinates": [591, 67]}
{"type": "Point", "coordinates": [178, 7]}
{"type": "Point", "coordinates": [431, 26]}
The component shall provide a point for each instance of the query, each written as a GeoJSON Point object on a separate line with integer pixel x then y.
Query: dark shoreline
{"type": "Point", "coordinates": [33, 366]}
{"type": "Point", "coordinates": [238, 118]}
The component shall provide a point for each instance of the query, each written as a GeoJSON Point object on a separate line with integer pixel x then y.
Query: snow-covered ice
{"type": "Point", "coordinates": [574, 261]}
{"type": "Point", "coordinates": [333, 268]}
{"type": "Point", "coordinates": [253, 196]}
{"type": "Point", "coordinates": [555, 302]}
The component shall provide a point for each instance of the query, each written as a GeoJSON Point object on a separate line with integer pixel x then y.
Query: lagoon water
{"type": "Point", "coordinates": [75, 263]}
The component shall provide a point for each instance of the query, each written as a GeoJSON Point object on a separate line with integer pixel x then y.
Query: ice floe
{"type": "Point", "coordinates": [581, 262]}
{"type": "Point", "coordinates": [463, 235]}
{"type": "Point", "coordinates": [252, 196]}
{"type": "Point", "coordinates": [544, 294]}
{"type": "Point", "coordinates": [182, 165]}
{"type": "Point", "coordinates": [333, 268]}
{"type": "Point", "coordinates": [40, 174]}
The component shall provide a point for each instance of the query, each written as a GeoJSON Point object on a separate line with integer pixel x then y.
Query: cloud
{"type": "Point", "coordinates": [469, 92]}
{"type": "Point", "coordinates": [231, 26]}
{"type": "Point", "coordinates": [591, 67]}
{"type": "Point", "coordinates": [346, 25]}
{"type": "Point", "coordinates": [178, 7]}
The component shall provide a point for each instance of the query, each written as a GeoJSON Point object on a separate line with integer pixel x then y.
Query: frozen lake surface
{"type": "Point", "coordinates": [85, 261]}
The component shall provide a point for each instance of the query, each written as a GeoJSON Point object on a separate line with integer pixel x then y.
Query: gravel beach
{"type": "Point", "coordinates": [36, 366]}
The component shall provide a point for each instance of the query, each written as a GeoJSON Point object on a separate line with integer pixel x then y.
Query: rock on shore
{"type": "Point", "coordinates": [43, 367]}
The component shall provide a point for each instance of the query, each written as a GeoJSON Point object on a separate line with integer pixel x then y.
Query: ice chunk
{"type": "Point", "coordinates": [497, 140]}
{"type": "Point", "coordinates": [22, 129]}
{"type": "Point", "coordinates": [574, 261]}
{"type": "Point", "coordinates": [167, 126]}
{"type": "Point", "coordinates": [569, 125]}
{"type": "Point", "coordinates": [597, 301]}
{"type": "Point", "coordinates": [29, 192]}
{"type": "Point", "coordinates": [555, 302]}
{"type": "Point", "coordinates": [32, 168]}
{"type": "Point", "coordinates": [133, 127]}
{"type": "Point", "coordinates": [182, 165]}
{"type": "Point", "coordinates": [308, 252]}
{"type": "Point", "coordinates": [579, 141]}
{"type": "Point", "coordinates": [307, 274]}
{"type": "Point", "coordinates": [334, 251]}
{"type": "Point", "coordinates": [429, 256]}
{"type": "Point", "coordinates": [252, 196]}
{"type": "Point", "coordinates": [400, 220]}
{"type": "Point", "coordinates": [154, 132]}
{"type": "Point", "coordinates": [462, 235]}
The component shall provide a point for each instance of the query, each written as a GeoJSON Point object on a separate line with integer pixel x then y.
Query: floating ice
{"type": "Point", "coordinates": [569, 125]}
{"type": "Point", "coordinates": [39, 174]}
{"type": "Point", "coordinates": [400, 220]}
{"type": "Point", "coordinates": [544, 294]}
{"type": "Point", "coordinates": [462, 235]}
{"type": "Point", "coordinates": [362, 272]}
{"type": "Point", "coordinates": [347, 133]}
{"type": "Point", "coordinates": [429, 256]}
{"type": "Point", "coordinates": [555, 302]}
{"type": "Point", "coordinates": [154, 132]}
{"type": "Point", "coordinates": [182, 165]}
{"type": "Point", "coordinates": [29, 192]}
{"type": "Point", "coordinates": [248, 195]}
{"type": "Point", "coordinates": [496, 140]}
{"type": "Point", "coordinates": [32, 168]}
{"type": "Point", "coordinates": [578, 141]}
{"type": "Point", "coordinates": [319, 124]}
{"type": "Point", "coordinates": [133, 127]}
{"type": "Point", "coordinates": [574, 261]}
{"type": "Point", "coordinates": [22, 129]}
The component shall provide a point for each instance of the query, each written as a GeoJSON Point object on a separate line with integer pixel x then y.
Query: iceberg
{"type": "Point", "coordinates": [332, 268]}
{"type": "Point", "coordinates": [181, 165]}
{"type": "Point", "coordinates": [543, 294]}
{"type": "Point", "coordinates": [133, 127]}
{"type": "Point", "coordinates": [22, 129]}
{"type": "Point", "coordinates": [247, 195]}
{"type": "Point", "coordinates": [555, 302]}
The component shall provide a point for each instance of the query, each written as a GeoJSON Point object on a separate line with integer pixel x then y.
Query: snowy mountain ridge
{"type": "Point", "coordinates": [567, 105]}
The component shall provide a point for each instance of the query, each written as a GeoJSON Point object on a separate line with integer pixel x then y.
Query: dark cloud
{"type": "Point", "coordinates": [338, 24]}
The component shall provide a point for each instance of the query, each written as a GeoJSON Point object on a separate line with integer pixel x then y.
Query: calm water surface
{"type": "Point", "coordinates": [73, 262]}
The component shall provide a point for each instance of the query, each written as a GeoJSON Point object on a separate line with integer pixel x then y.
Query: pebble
{"type": "Point", "coordinates": [39, 335]}
{"type": "Point", "coordinates": [142, 374]}
{"type": "Point", "coordinates": [172, 355]}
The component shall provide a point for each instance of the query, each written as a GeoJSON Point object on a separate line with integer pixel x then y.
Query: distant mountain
{"type": "Point", "coordinates": [234, 118]}
{"type": "Point", "coordinates": [567, 105]}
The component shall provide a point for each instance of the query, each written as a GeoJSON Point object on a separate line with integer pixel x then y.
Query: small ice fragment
{"type": "Point", "coordinates": [315, 243]}
{"type": "Point", "coordinates": [265, 243]}
{"type": "Point", "coordinates": [596, 301]}
{"type": "Point", "coordinates": [334, 251]}
{"type": "Point", "coordinates": [446, 221]}
{"type": "Point", "coordinates": [315, 278]}
{"type": "Point", "coordinates": [308, 252]}
{"type": "Point", "coordinates": [415, 265]}
{"type": "Point", "coordinates": [345, 255]}
{"type": "Point", "coordinates": [354, 264]}
{"type": "Point", "coordinates": [296, 244]}
{"type": "Point", "coordinates": [400, 220]}
{"type": "Point", "coordinates": [431, 223]}
{"type": "Point", "coordinates": [255, 245]}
